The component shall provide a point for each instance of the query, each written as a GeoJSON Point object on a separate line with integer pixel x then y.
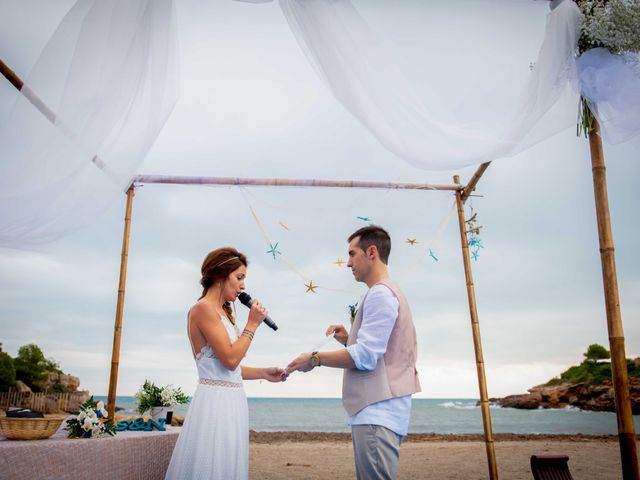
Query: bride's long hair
{"type": "Point", "coordinates": [218, 265]}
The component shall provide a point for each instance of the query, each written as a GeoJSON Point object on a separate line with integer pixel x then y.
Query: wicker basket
{"type": "Point", "coordinates": [30, 428]}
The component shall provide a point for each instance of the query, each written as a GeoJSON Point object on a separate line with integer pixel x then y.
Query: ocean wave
{"type": "Point", "coordinates": [459, 405]}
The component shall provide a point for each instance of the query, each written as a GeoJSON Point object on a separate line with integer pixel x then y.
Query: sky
{"type": "Point", "coordinates": [250, 105]}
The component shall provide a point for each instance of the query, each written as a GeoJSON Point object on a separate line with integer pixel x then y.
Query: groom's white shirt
{"type": "Point", "coordinates": [380, 311]}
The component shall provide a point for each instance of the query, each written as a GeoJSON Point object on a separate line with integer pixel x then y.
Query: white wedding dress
{"type": "Point", "coordinates": [214, 441]}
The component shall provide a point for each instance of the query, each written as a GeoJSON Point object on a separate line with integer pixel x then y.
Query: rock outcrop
{"type": "Point", "coordinates": [586, 396]}
{"type": "Point", "coordinates": [68, 382]}
{"type": "Point", "coordinates": [22, 387]}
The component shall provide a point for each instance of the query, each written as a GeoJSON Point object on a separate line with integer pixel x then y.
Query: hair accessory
{"type": "Point", "coordinates": [226, 261]}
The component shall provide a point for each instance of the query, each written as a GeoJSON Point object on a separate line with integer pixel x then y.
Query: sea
{"type": "Point", "coordinates": [436, 415]}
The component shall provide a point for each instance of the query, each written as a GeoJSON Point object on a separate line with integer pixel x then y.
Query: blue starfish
{"type": "Point", "coordinates": [273, 250]}
{"type": "Point", "coordinates": [475, 242]}
{"type": "Point", "coordinates": [432, 255]}
{"type": "Point", "coordinates": [364, 219]}
{"type": "Point", "coordinates": [474, 255]}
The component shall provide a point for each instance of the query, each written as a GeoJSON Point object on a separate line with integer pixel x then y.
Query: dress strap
{"type": "Point", "coordinates": [189, 333]}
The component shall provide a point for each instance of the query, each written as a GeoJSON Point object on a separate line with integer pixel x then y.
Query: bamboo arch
{"type": "Point", "coordinates": [462, 194]}
{"type": "Point", "coordinates": [626, 428]}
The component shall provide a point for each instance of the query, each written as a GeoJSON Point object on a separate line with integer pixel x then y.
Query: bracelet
{"type": "Point", "coordinates": [247, 333]}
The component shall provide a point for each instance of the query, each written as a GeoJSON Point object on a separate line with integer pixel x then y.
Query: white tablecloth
{"type": "Point", "coordinates": [128, 455]}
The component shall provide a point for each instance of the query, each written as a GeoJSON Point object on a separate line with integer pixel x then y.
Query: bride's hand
{"type": "Point", "coordinates": [257, 314]}
{"type": "Point", "coordinates": [274, 374]}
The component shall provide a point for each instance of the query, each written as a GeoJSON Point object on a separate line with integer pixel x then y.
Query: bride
{"type": "Point", "coordinates": [214, 440]}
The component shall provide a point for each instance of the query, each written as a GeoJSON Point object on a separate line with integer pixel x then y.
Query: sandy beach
{"type": "Point", "coordinates": [309, 455]}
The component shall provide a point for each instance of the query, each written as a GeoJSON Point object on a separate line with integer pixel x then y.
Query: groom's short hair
{"type": "Point", "coordinates": [374, 235]}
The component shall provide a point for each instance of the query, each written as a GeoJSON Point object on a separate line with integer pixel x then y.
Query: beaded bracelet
{"type": "Point", "coordinates": [247, 333]}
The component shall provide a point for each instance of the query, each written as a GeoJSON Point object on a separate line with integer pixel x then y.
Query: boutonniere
{"type": "Point", "coordinates": [353, 310]}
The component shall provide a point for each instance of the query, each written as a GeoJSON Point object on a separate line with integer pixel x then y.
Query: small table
{"type": "Point", "coordinates": [130, 454]}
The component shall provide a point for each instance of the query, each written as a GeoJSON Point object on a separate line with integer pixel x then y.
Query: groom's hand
{"type": "Point", "coordinates": [301, 363]}
{"type": "Point", "coordinates": [339, 333]}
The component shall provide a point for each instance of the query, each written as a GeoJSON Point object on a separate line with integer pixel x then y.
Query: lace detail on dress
{"type": "Point", "coordinates": [219, 383]}
{"type": "Point", "coordinates": [205, 351]}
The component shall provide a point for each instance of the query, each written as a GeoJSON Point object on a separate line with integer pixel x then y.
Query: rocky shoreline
{"type": "Point", "coordinates": [585, 396]}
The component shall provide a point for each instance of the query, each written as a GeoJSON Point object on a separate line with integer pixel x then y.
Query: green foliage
{"type": "Point", "coordinates": [31, 366]}
{"type": "Point", "coordinates": [7, 371]}
{"type": "Point", "coordinates": [585, 119]}
{"type": "Point", "coordinates": [596, 352]}
{"type": "Point", "coordinates": [592, 371]}
{"type": "Point", "coordinates": [150, 395]}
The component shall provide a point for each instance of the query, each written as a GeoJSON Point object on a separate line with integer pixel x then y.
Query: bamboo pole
{"type": "Point", "coordinates": [285, 182]}
{"type": "Point", "coordinates": [620, 380]}
{"type": "Point", "coordinates": [477, 342]}
{"type": "Point", "coordinates": [37, 102]}
{"type": "Point", "coordinates": [11, 76]}
{"type": "Point", "coordinates": [117, 329]}
{"type": "Point", "coordinates": [471, 184]}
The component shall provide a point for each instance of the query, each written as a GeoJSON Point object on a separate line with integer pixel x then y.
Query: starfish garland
{"type": "Point", "coordinates": [311, 287]}
{"type": "Point", "coordinates": [273, 250]}
{"type": "Point", "coordinates": [474, 243]}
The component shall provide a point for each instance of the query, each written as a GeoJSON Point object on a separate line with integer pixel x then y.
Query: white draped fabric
{"type": "Point", "coordinates": [353, 63]}
{"type": "Point", "coordinates": [108, 81]}
{"type": "Point", "coordinates": [611, 84]}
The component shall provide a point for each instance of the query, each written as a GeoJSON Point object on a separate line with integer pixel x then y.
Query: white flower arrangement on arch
{"type": "Point", "coordinates": [615, 26]}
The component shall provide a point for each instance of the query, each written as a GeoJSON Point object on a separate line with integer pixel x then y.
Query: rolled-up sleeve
{"type": "Point", "coordinates": [379, 315]}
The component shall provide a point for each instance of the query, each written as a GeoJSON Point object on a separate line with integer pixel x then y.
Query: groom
{"type": "Point", "coordinates": [379, 360]}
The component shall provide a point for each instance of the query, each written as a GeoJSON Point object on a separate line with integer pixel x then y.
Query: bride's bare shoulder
{"type": "Point", "coordinates": [200, 310]}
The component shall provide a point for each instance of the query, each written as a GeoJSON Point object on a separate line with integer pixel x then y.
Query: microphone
{"type": "Point", "coordinates": [247, 301]}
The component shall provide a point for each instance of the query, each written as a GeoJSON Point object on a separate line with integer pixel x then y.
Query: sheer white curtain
{"type": "Point", "coordinates": [611, 84]}
{"type": "Point", "coordinates": [108, 76]}
{"type": "Point", "coordinates": [109, 79]}
{"type": "Point", "coordinates": [355, 66]}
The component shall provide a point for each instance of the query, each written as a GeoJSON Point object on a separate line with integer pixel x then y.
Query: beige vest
{"type": "Point", "coordinates": [396, 374]}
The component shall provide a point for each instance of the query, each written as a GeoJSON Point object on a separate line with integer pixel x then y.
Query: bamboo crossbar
{"type": "Point", "coordinates": [26, 92]}
{"type": "Point", "coordinates": [471, 185]}
{"type": "Point", "coordinates": [11, 76]}
{"type": "Point", "coordinates": [37, 102]}
{"type": "Point", "coordinates": [286, 182]}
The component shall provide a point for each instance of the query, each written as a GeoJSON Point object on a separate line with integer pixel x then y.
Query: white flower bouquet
{"type": "Point", "coordinates": [150, 395]}
{"type": "Point", "coordinates": [91, 421]}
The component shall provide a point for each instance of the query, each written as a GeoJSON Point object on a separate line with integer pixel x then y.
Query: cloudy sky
{"type": "Point", "coordinates": [251, 106]}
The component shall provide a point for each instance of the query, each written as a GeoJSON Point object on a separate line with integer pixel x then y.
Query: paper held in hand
{"type": "Point", "coordinates": [323, 343]}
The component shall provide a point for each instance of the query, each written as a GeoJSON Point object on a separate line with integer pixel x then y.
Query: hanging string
{"type": "Point", "coordinates": [431, 244]}
{"type": "Point", "coordinates": [281, 256]}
